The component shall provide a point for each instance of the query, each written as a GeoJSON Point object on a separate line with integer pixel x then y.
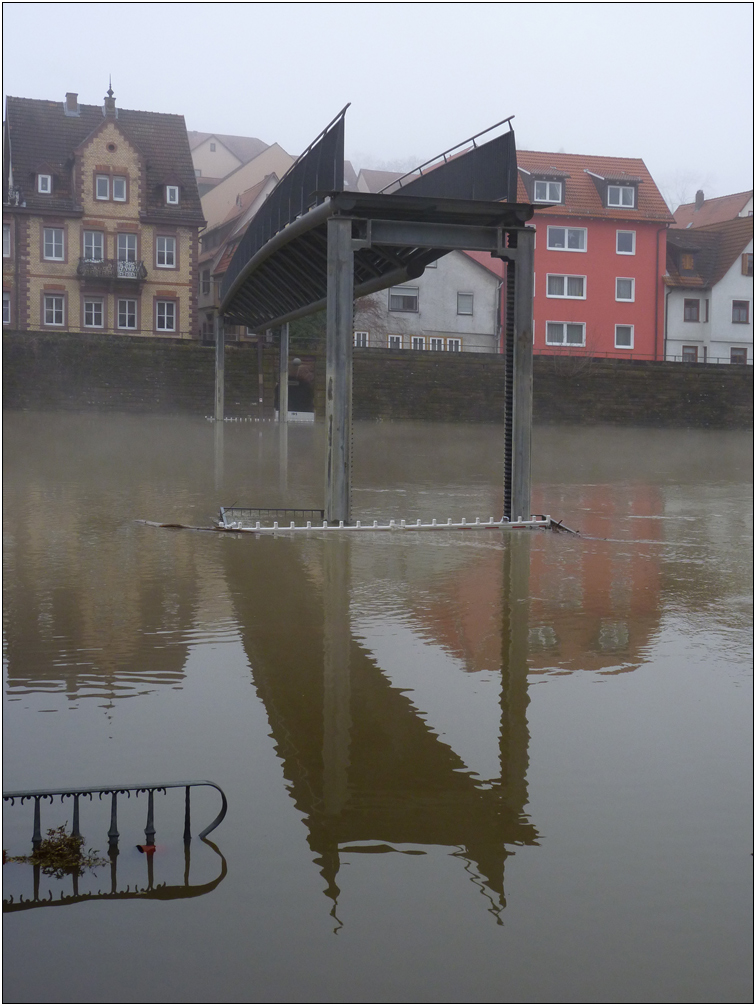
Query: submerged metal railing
{"type": "Point", "coordinates": [75, 793]}
{"type": "Point", "coordinates": [254, 526]}
{"type": "Point", "coordinates": [231, 516]}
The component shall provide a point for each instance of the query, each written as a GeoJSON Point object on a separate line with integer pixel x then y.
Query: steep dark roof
{"type": "Point", "coordinates": [41, 137]}
{"type": "Point", "coordinates": [714, 249]}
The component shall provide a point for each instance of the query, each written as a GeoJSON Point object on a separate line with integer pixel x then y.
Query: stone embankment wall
{"type": "Point", "coordinates": [51, 371]}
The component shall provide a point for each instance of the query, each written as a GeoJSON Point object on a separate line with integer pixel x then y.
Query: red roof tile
{"type": "Point", "coordinates": [582, 198]}
{"type": "Point", "coordinates": [714, 248]}
{"type": "Point", "coordinates": [712, 211]}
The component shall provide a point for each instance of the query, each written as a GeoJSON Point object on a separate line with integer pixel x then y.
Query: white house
{"type": "Point", "coordinates": [455, 306]}
{"type": "Point", "coordinates": [709, 298]}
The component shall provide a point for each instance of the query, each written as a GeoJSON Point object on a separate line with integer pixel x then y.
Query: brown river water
{"type": "Point", "coordinates": [467, 766]}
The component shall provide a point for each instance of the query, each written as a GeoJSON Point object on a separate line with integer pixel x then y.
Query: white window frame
{"type": "Point", "coordinates": [566, 278]}
{"type": "Point", "coordinates": [465, 293]}
{"type": "Point", "coordinates": [547, 197]}
{"type": "Point", "coordinates": [92, 303]}
{"type": "Point", "coordinates": [617, 248]}
{"type": "Point", "coordinates": [551, 247]}
{"type": "Point", "coordinates": [165, 304]}
{"type": "Point", "coordinates": [106, 187]}
{"type": "Point", "coordinates": [6, 241]}
{"type": "Point", "coordinates": [123, 245]}
{"type": "Point", "coordinates": [404, 291]}
{"type": "Point", "coordinates": [49, 304]}
{"type": "Point", "coordinates": [395, 338]}
{"type": "Point", "coordinates": [437, 343]}
{"type": "Point", "coordinates": [621, 191]}
{"type": "Point", "coordinates": [624, 279]}
{"type": "Point", "coordinates": [420, 340]}
{"type": "Point", "coordinates": [93, 257]}
{"type": "Point", "coordinates": [126, 313]}
{"type": "Point", "coordinates": [564, 325]}
{"type": "Point", "coordinates": [51, 245]}
{"type": "Point", "coordinates": [361, 339]}
{"type": "Point", "coordinates": [44, 185]}
{"type": "Point", "coordinates": [165, 252]}
{"type": "Point", "coordinates": [618, 345]}
{"type": "Point", "coordinates": [453, 345]}
{"type": "Point", "coordinates": [120, 178]}
{"type": "Point", "coordinates": [6, 307]}
{"type": "Point", "coordinates": [172, 195]}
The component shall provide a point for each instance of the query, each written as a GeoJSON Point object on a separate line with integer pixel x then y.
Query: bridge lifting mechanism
{"type": "Point", "coordinates": [313, 245]}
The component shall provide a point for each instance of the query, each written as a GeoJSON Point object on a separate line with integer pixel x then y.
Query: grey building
{"type": "Point", "coordinates": [455, 306]}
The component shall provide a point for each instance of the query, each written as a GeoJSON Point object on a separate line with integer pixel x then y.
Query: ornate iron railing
{"type": "Point", "coordinates": [75, 793]}
{"type": "Point", "coordinates": [110, 269]}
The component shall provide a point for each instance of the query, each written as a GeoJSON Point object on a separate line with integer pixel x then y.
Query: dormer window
{"type": "Point", "coordinates": [686, 262]}
{"type": "Point", "coordinates": [44, 184]}
{"type": "Point", "coordinates": [172, 195]}
{"type": "Point", "coordinates": [547, 192]}
{"type": "Point", "coordinates": [621, 195]}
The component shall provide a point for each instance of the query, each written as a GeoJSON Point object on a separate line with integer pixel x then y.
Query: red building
{"type": "Point", "coordinates": [600, 254]}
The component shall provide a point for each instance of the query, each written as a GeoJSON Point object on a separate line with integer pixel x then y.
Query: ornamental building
{"type": "Point", "coordinates": [101, 217]}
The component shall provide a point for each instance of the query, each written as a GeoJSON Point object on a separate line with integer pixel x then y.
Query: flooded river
{"type": "Point", "coordinates": [465, 766]}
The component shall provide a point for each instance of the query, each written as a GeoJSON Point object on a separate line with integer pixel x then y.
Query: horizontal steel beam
{"type": "Point", "coordinates": [418, 234]}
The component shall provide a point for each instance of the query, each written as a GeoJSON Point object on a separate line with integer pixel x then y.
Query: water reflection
{"type": "Point", "coordinates": [149, 891]}
{"type": "Point", "coordinates": [363, 766]}
{"type": "Point", "coordinates": [391, 671]}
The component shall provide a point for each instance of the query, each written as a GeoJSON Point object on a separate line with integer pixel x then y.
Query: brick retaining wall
{"type": "Point", "coordinates": [63, 371]}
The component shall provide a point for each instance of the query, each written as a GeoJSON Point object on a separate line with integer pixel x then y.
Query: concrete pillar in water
{"type": "Point", "coordinates": [283, 376]}
{"type": "Point", "coordinates": [337, 641]}
{"type": "Point", "coordinates": [220, 368]}
{"type": "Point", "coordinates": [338, 406]}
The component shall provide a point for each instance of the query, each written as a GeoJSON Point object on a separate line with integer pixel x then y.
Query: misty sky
{"type": "Point", "coordinates": [671, 83]}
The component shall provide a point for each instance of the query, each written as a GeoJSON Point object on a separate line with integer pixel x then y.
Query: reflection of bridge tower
{"type": "Point", "coordinates": [362, 764]}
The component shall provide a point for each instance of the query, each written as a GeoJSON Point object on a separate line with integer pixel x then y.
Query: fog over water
{"type": "Point", "coordinates": [460, 766]}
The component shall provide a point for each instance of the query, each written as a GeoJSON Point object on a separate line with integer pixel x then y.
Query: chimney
{"type": "Point", "coordinates": [109, 108]}
{"type": "Point", "coordinates": [71, 106]}
{"type": "Point", "coordinates": [699, 199]}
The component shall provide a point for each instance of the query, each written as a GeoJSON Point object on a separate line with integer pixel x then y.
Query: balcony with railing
{"type": "Point", "coordinates": [109, 269]}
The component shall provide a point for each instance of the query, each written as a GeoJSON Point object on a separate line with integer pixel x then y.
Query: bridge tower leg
{"type": "Point", "coordinates": [339, 337]}
{"type": "Point", "coordinates": [518, 348]}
